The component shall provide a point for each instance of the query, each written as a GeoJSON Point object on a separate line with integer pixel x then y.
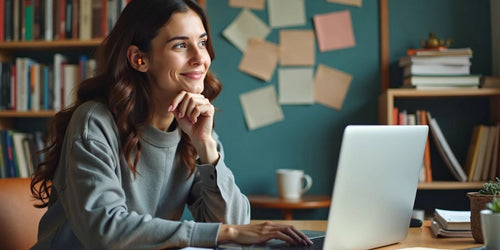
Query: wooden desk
{"type": "Point", "coordinates": [417, 237]}
{"type": "Point", "coordinates": [287, 206]}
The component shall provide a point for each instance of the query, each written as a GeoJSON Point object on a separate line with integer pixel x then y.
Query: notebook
{"type": "Point", "coordinates": [374, 189]}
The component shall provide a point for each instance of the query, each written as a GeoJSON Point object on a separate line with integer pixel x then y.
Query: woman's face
{"type": "Point", "coordinates": [179, 59]}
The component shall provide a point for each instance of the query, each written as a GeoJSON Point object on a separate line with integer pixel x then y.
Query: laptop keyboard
{"type": "Point", "coordinates": [318, 244]}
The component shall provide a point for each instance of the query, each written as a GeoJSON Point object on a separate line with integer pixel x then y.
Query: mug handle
{"type": "Point", "coordinates": [309, 181]}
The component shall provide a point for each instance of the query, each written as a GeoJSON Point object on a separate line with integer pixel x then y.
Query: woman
{"type": "Point", "coordinates": [138, 145]}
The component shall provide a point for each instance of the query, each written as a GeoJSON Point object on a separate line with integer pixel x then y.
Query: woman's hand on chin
{"type": "Point", "coordinates": [194, 114]}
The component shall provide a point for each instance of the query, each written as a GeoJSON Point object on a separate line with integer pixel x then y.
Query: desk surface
{"type": "Point", "coordinates": [417, 237]}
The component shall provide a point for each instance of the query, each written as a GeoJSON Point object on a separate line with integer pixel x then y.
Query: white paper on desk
{"type": "Point", "coordinates": [297, 48]}
{"type": "Point", "coordinates": [284, 13]}
{"type": "Point", "coordinates": [296, 86]}
{"type": "Point", "coordinates": [357, 3]}
{"type": "Point", "coordinates": [251, 4]}
{"type": "Point", "coordinates": [334, 30]}
{"type": "Point", "coordinates": [243, 27]}
{"type": "Point", "coordinates": [196, 248]}
{"type": "Point", "coordinates": [330, 86]}
{"type": "Point", "coordinates": [261, 107]}
{"type": "Point", "coordinates": [260, 59]}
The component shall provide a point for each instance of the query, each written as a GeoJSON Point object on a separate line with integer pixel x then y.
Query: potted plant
{"type": "Point", "coordinates": [490, 224]}
{"type": "Point", "coordinates": [478, 201]}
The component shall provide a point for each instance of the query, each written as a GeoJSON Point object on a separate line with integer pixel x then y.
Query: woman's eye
{"type": "Point", "coordinates": [203, 43]}
{"type": "Point", "coordinates": [180, 46]}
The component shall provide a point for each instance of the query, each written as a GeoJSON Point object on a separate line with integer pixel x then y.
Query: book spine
{"type": "Point", "coordinates": [427, 152]}
{"type": "Point", "coordinates": [48, 19]}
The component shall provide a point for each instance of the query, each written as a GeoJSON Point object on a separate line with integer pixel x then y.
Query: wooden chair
{"type": "Point", "coordinates": [18, 218]}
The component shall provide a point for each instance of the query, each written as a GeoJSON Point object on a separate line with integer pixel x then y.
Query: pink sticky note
{"type": "Point", "coordinates": [334, 30]}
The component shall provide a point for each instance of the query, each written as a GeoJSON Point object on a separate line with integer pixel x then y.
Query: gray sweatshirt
{"type": "Point", "coordinates": [101, 205]}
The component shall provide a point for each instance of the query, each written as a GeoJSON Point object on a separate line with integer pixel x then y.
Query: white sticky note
{"type": "Point", "coordinates": [296, 86]}
{"type": "Point", "coordinates": [283, 13]}
{"type": "Point", "coordinates": [260, 107]}
{"type": "Point", "coordinates": [243, 27]}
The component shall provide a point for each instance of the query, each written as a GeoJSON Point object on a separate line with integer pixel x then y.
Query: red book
{"type": "Point", "coordinates": [412, 52]}
{"type": "Point", "coordinates": [62, 19]}
{"type": "Point", "coordinates": [427, 152]}
{"type": "Point", "coordinates": [395, 116]}
{"type": "Point", "coordinates": [2, 20]}
{"type": "Point", "coordinates": [104, 20]}
{"type": "Point", "coordinates": [76, 18]}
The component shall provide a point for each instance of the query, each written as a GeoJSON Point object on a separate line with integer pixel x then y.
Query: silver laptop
{"type": "Point", "coordinates": [374, 189]}
{"type": "Point", "coordinates": [375, 186]}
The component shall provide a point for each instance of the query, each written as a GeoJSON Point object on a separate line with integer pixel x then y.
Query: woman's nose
{"type": "Point", "coordinates": [197, 56]}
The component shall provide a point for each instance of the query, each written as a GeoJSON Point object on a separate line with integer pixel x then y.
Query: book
{"type": "Point", "coordinates": [439, 87]}
{"type": "Point", "coordinates": [445, 151]}
{"type": "Point", "coordinates": [443, 52]}
{"type": "Point", "coordinates": [22, 163]}
{"type": "Point", "coordinates": [488, 153]}
{"type": "Point", "coordinates": [470, 160]}
{"type": "Point", "coordinates": [452, 219]}
{"type": "Point", "coordinates": [71, 80]}
{"type": "Point", "coordinates": [85, 15]}
{"type": "Point", "coordinates": [490, 82]}
{"type": "Point", "coordinates": [435, 69]}
{"type": "Point", "coordinates": [427, 151]}
{"type": "Point", "coordinates": [494, 172]}
{"type": "Point", "coordinates": [481, 153]}
{"type": "Point", "coordinates": [59, 62]}
{"type": "Point", "coordinates": [414, 51]}
{"type": "Point", "coordinates": [442, 80]}
{"type": "Point", "coordinates": [48, 33]}
{"type": "Point", "coordinates": [443, 60]}
{"type": "Point", "coordinates": [439, 231]}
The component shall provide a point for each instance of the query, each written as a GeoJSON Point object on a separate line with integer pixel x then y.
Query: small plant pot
{"type": "Point", "coordinates": [477, 203]}
{"type": "Point", "coordinates": [490, 224]}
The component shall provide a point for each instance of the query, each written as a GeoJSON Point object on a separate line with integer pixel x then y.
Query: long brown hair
{"type": "Point", "coordinates": [123, 89]}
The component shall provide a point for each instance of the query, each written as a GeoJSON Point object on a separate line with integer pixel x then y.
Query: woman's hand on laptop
{"type": "Point", "coordinates": [260, 233]}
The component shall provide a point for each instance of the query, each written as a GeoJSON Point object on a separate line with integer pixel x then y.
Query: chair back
{"type": "Point", "coordinates": [19, 219]}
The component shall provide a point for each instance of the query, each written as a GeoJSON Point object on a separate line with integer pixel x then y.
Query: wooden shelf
{"type": "Point", "coordinates": [387, 99]}
{"type": "Point", "coordinates": [408, 93]}
{"type": "Point", "coordinates": [26, 114]}
{"type": "Point", "coordinates": [49, 45]}
{"type": "Point", "coordinates": [449, 185]}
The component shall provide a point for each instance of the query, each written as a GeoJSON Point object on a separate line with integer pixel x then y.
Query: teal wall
{"type": "Point", "coordinates": [309, 136]}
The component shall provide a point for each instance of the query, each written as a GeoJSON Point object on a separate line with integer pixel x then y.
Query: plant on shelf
{"type": "Point", "coordinates": [491, 188]}
{"type": "Point", "coordinates": [478, 201]}
{"type": "Point", "coordinates": [490, 224]}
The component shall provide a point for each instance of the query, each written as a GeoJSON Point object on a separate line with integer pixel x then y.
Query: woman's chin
{"type": "Point", "coordinates": [194, 89]}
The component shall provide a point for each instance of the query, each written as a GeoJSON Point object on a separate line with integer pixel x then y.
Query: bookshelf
{"type": "Point", "coordinates": [387, 102]}
{"type": "Point", "coordinates": [10, 50]}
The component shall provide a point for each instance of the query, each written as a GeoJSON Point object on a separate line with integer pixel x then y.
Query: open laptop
{"type": "Point", "coordinates": [374, 189]}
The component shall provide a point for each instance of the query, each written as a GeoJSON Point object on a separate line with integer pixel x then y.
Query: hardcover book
{"type": "Point", "coordinates": [453, 219]}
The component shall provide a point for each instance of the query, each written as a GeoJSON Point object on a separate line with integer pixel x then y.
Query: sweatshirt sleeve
{"type": "Point", "coordinates": [94, 203]}
{"type": "Point", "coordinates": [215, 197]}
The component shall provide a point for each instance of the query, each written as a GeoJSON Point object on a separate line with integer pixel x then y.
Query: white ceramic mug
{"type": "Point", "coordinates": [291, 183]}
{"type": "Point", "coordinates": [490, 226]}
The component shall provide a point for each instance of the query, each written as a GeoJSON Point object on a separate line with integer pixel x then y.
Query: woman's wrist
{"type": "Point", "coordinates": [226, 233]}
{"type": "Point", "coordinates": [207, 151]}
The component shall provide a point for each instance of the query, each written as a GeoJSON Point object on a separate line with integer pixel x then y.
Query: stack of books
{"type": "Point", "coordinates": [451, 223]}
{"type": "Point", "coordinates": [438, 68]}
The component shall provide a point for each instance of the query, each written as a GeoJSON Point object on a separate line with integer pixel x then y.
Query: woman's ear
{"type": "Point", "coordinates": [136, 59]}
